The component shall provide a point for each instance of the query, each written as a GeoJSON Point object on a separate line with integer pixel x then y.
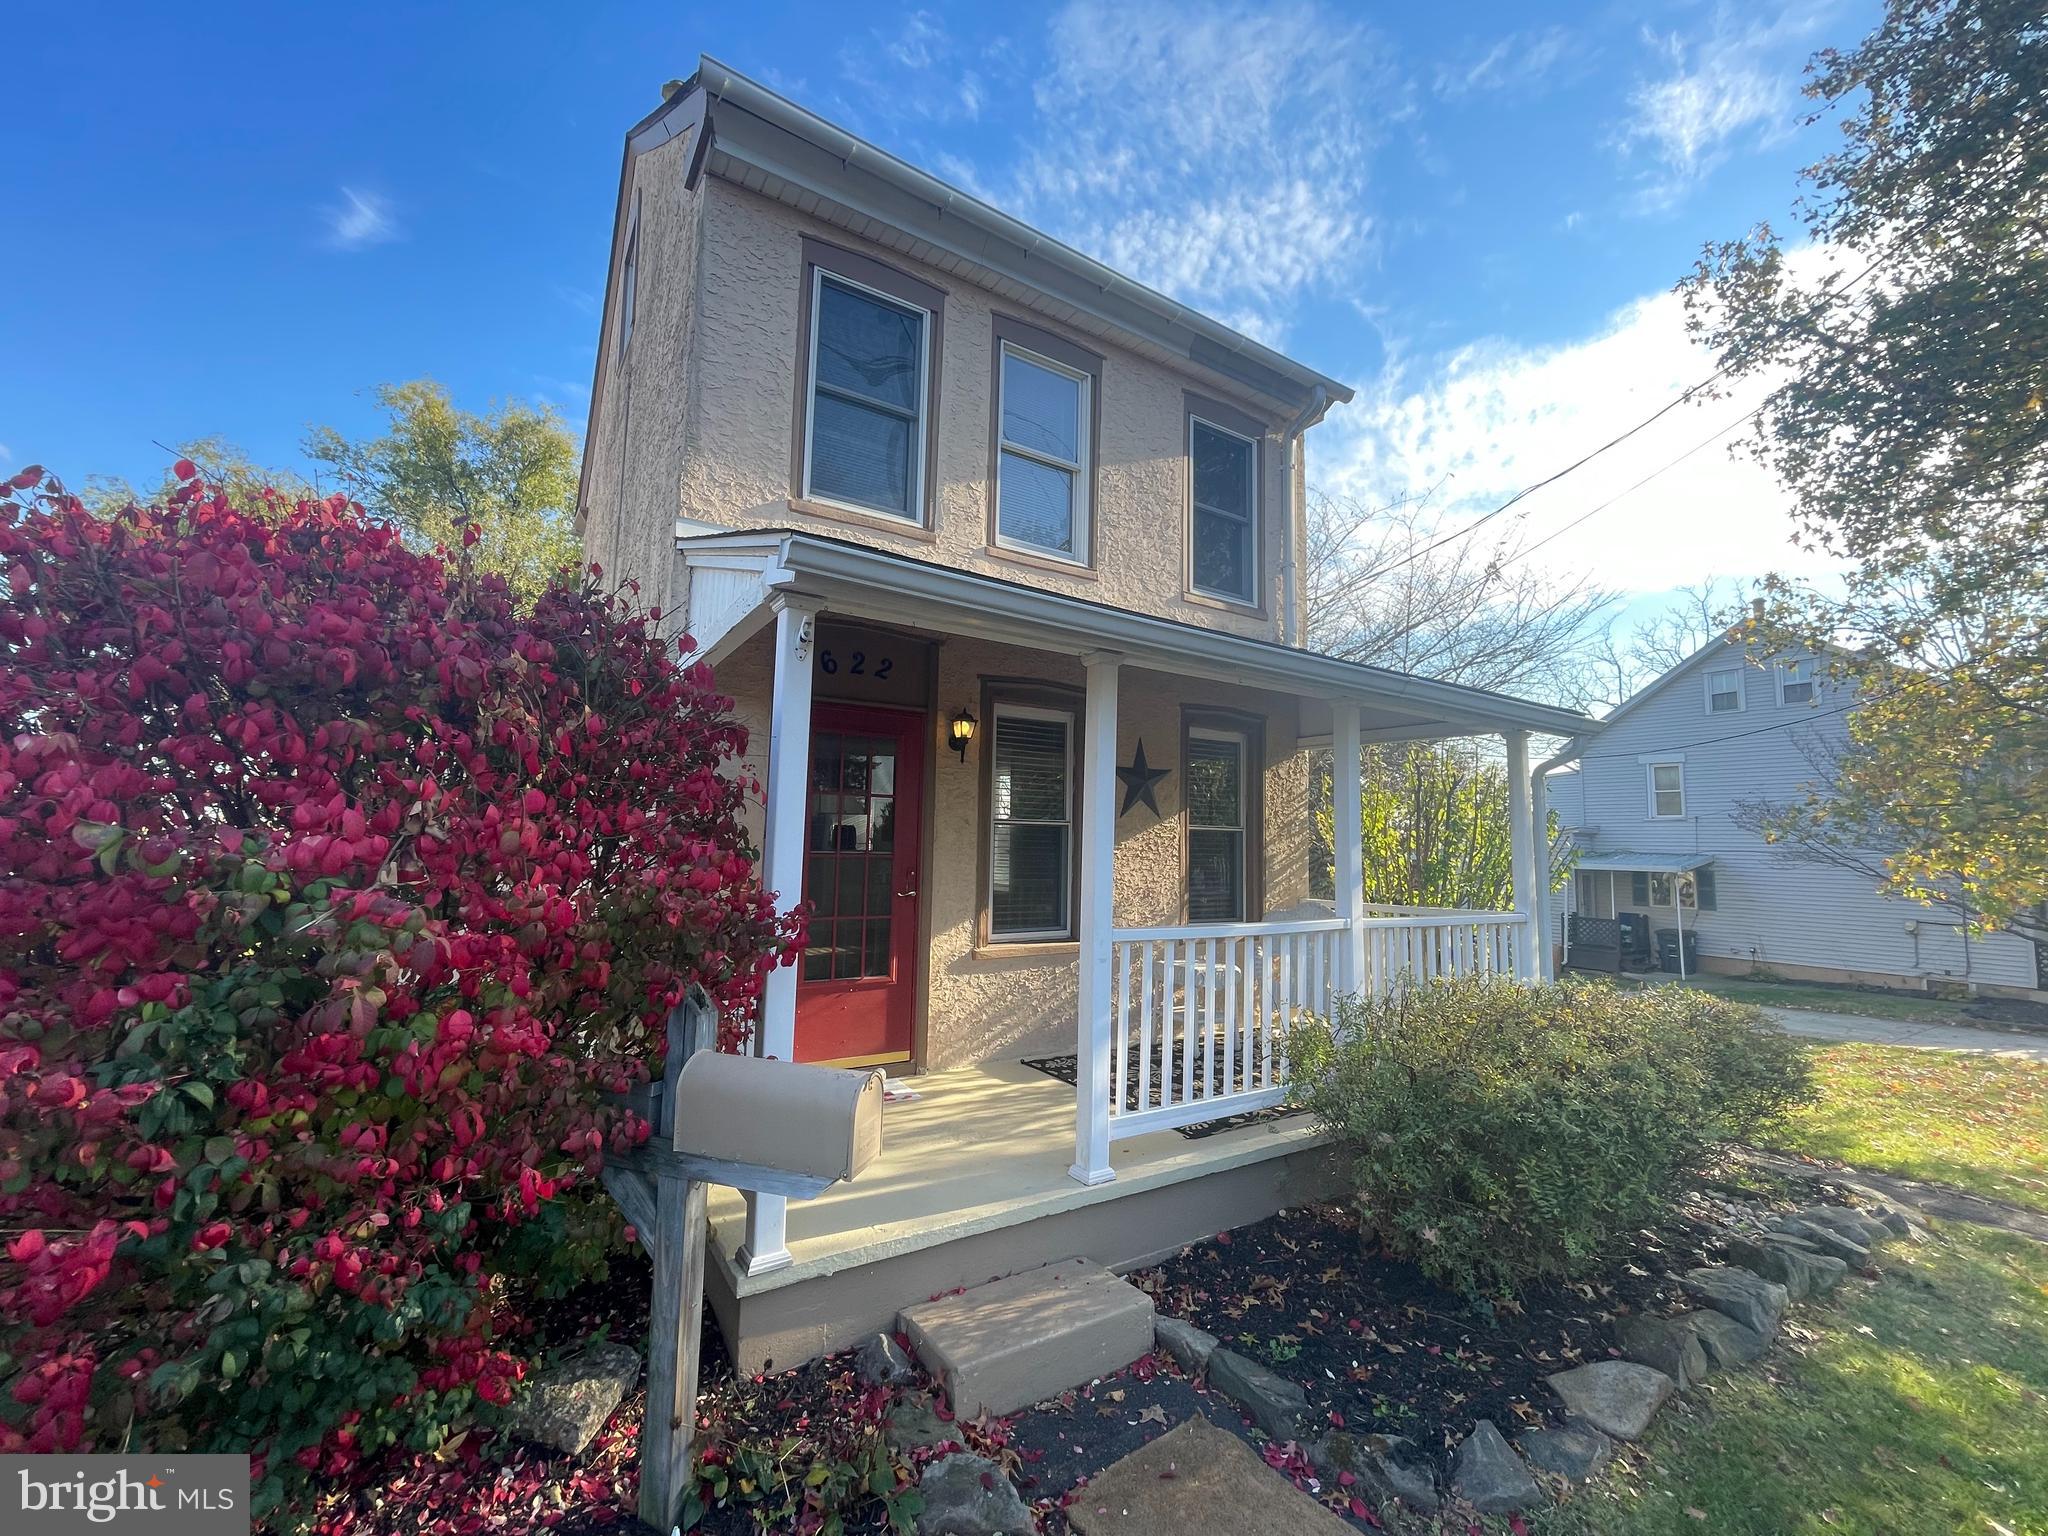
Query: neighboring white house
{"type": "Point", "coordinates": [1649, 813]}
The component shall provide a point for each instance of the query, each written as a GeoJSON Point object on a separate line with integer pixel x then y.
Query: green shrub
{"type": "Point", "coordinates": [1502, 1133]}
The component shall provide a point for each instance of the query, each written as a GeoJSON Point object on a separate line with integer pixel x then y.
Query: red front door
{"type": "Point", "coordinates": [857, 999]}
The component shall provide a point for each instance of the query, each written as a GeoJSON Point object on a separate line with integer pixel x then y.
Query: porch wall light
{"type": "Point", "coordinates": [963, 733]}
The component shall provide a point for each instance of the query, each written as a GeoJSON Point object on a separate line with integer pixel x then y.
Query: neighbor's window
{"type": "Point", "coordinates": [1667, 789]}
{"type": "Point", "coordinates": [1795, 681]}
{"type": "Point", "coordinates": [1224, 558]}
{"type": "Point", "coordinates": [1031, 814]}
{"type": "Point", "coordinates": [868, 376]}
{"type": "Point", "coordinates": [1216, 826]}
{"type": "Point", "coordinates": [1041, 485]}
{"type": "Point", "coordinates": [1724, 691]}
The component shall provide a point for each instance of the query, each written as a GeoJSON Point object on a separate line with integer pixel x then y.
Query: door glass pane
{"type": "Point", "coordinates": [846, 951]}
{"type": "Point", "coordinates": [882, 823]}
{"type": "Point", "coordinates": [881, 883]}
{"type": "Point", "coordinates": [875, 952]}
{"type": "Point", "coordinates": [825, 762]}
{"type": "Point", "coordinates": [821, 881]}
{"type": "Point", "coordinates": [868, 347]}
{"type": "Point", "coordinates": [882, 773]}
{"type": "Point", "coordinates": [818, 956]}
{"type": "Point", "coordinates": [1036, 505]}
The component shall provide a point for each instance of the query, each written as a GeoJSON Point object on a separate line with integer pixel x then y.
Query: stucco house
{"type": "Point", "coordinates": [1649, 818]}
{"type": "Point", "coordinates": [997, 552]}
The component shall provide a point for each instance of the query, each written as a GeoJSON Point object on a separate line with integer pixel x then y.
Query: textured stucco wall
{"type": "Point", "coordinates": [637, 441]}
{"type": "Point", "coordinates": [1012, 1000]}
{"type": "Point", "coordinates": [744, 378]}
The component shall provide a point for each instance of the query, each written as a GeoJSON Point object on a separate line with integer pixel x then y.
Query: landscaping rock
{"type": "Point", "coordinates": [969, 1496]}
{"type": "Point", "coordinates": [1577, 1452]}
{"type": "Point", "coordinates": [1272, 1402]}
{"type": "Point", "coordinates": [1788, 1266]}
{"type": "Point", "coordinates": [1835, 1244]}
{"type": "Point", "coordinates": [1617, 1397]}
{"type": "Point", "coordinates": [914, 1425]}
{"type": "Point", "coordinates": [1190, 1345]}
{"type": "Point", "coordinates": [1825, 1273]}
{"type": "Point", "coordinates": [1663, 1344]}
{"type": "Point", "coordinates": [565, 1405]}
{"type": "Point", "coordinates": [1386, 1467]}
{"type": "Point", "coordinates": [1852, 1224]}
{"type": "Point", "coordinates": [883, 1363]}
{"type": "Point", "coordinates": [1726, 1342]}
{"type": "Point", "coordinates": [1489, 1476]}
{"type": "Point", "coordinates": [1193, 1480]}
{"type": "Point", "coordinates": [1750, 1299]}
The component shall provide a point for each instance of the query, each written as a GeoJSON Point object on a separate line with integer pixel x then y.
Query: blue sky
{"type": "Point", "coordinates": [238, 219]}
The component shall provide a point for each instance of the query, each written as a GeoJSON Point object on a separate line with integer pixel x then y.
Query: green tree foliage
{"type": "Point", "coordinates": [1436, 828]}
{"type": "Point", "coordinates": [1908, 354]}
{"type": "Point", "coordinates": [439, 470]}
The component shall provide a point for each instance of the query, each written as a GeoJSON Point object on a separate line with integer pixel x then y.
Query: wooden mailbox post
{"type": "Point", "coordinates": [751, 1123]}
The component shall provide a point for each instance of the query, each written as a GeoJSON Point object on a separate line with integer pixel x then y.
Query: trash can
{"type": "Point", "coordinates": [1667, 951]}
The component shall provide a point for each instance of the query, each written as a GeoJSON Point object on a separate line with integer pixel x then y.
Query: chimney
{"type": "Point", "coordinates": [1756, 609]}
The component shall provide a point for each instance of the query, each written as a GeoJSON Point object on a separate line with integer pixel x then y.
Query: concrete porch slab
{"type": "Point", "coordinates": [1030, 1336]}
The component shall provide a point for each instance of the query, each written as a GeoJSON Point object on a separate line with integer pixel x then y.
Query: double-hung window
{"type": "Point", "coordinates": [869, 383]}
{"type": "Point", "coordinates": [1795, 681]}
{"type": "Point", "coordinates": [1724, 691]}
{"type": "Point", "coordinates": [1031, 816]}
{"type": "Point", "coordinates": [1216, 810]}
{"type": "Point", "coordinates": [1042, 456]}
{"type": "Point", "coordinates": [1223, 531]}
{"type": "Point", "coordinates": [1667, 790]}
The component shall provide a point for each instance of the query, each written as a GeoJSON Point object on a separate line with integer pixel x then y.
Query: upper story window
{"type": "Point", "coordinates": [1795, 681]}
{"type": "Point", "coordinates": [1667, 790]}
{"type": "Point", "coordinates": [1042, 455]}
{"type": "Point", "coordinates": [867, 387]}
{"type": "Point", "coordinates": [629, 278]}
{"type": "Point", "coordinates": [1223, 523]}
{"type": "Point", "coordinates": [1724, 691]}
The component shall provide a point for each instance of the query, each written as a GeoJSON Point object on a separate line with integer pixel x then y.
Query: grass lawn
{"type": "Point", "coordinates": [1821, 998]}
{"type": "Point", "coordinates": [1977, 1122]}
{"type": "Point", "coordinates": [1916, 1403]}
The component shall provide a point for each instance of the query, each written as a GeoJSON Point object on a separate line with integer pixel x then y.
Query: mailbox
{"type": "Point", "coordinates": [777, 1126]}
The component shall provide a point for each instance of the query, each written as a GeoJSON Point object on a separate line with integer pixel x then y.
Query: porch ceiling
{"type": "Point", "coordinates": [733, 577]}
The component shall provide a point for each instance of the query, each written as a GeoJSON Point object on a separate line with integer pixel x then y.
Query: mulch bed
{"type": "Point", "coordinates": [1375, 1346]}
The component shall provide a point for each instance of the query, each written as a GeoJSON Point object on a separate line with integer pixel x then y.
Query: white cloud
{"type": "Point", "coordinates": [932, 77]}
{"type": "Point", "coordinates": [361, 219]}
{"type": "Point", "coordinates": [1493, 418]}
{"type": "Point", "coordinates": [6, 454]}
{"type": "Point", "coordinates": [1741, 75]}
{"type": "Point", "coordinates": [1521, 60]}
{"type": "Point", "coordinates": [1218, 151]}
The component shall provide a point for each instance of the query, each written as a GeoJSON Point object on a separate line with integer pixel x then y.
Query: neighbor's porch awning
{"type": "Point", "coordinates": [1626, 863]}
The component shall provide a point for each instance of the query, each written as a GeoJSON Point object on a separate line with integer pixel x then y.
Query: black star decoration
{"type": "Point", "coordinates": [1138, 781]}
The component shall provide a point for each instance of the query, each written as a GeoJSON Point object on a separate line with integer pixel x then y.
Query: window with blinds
{"type": "Point", "coordinates": [1031, 833]}
{"type": "Point", "coordinates": [1216, 827]}
{"type": "Point", "coordinates": [867, 411]}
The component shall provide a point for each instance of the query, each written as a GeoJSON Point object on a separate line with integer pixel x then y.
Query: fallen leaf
{"type": "Point", "coordinates": [1153, 1414]}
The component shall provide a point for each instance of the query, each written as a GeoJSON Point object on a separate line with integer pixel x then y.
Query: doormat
{"type": "Point", "coordinates": [1067, 1070]}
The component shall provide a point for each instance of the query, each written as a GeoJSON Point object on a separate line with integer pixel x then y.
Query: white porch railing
{"type": "Point", "coordinates": [1198, 1013]}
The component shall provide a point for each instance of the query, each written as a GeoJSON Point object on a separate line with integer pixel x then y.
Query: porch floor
{"type": "Point", "coordinates": [981, 1148]}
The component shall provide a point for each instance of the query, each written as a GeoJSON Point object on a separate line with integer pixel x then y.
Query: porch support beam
{"type": "Point", "coordinates": [765, 1247]}
{"type": "Point", "coordinates": [1539, 831]}
{"type": "Point", "coordinates": [1522, 853]}
{"type": "Point", "coordinates": [1097, 855]}
{"type": "Point", "coordinates": [1348, 835]}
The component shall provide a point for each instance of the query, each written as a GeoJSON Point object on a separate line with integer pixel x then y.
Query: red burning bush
{"type": "Point", "coordinates": [334, 894]}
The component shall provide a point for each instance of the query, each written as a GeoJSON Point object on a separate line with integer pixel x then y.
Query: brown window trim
{"type": "Point", "coordinates": [1033, 693]}
{"type": "Point", "coordinates": [1027, 337]}
{"type": "Point", "coordinates": [897, 284]}
{"type": "Point", "coordinates": [1253, 729]}
{"type": "Point", "coordinates": [1217, 414]}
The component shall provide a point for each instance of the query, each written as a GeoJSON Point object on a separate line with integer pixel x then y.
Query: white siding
{"type": "Point", "coordinates": [1772, 908]}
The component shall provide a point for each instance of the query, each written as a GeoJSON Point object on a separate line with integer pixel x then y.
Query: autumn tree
{"type": "Point", "coordinates": [438, 470]}
{"type": "Point", "coordinates": [1906, 344]}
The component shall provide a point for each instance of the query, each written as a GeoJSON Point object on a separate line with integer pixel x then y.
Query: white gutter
{"type": "Point", "coordinates": [1318, 402]}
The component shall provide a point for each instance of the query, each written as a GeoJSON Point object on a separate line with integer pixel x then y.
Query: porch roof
{"type": "Point", "coordinates": [1624, 862]}
{"type": "Point", "coordinates": [733, 576]}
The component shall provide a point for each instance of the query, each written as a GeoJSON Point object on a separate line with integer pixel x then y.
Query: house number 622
{"type": "Point", "coordinates": [857, 666]}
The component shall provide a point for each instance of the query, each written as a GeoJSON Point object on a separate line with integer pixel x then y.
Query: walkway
{"type": "Point", "coordinates": [1924, 1037]}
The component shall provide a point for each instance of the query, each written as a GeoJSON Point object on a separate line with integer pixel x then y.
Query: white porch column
{"type": "Point", "coordinates": [1097, 854]}
{"type": "Point", "coordinates": [1348, 836]}
{"type": "Point", "coordinates": [1539, 833]}
{"type": "Point", "coordinates": [1522, 846]}
{"type": "Point", "coordinates": [782, 871]}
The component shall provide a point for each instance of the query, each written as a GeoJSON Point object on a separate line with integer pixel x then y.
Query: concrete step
{"type": "Point", "coordinates": [1027, 1337]}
